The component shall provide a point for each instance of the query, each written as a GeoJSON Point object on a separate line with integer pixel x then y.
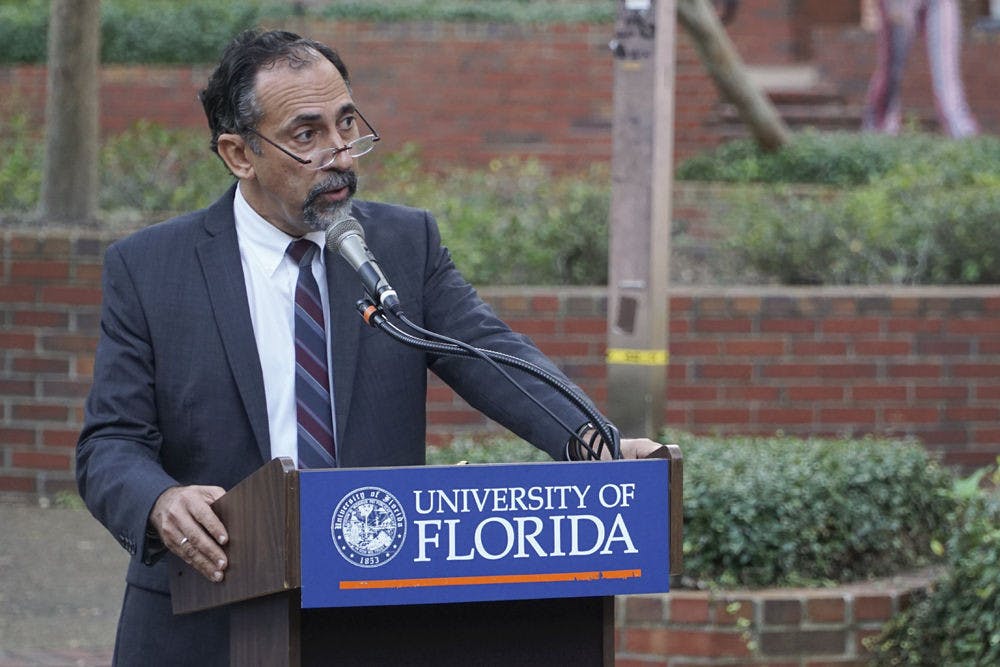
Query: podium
{"type": "Point", "coordinates": [469, 564]}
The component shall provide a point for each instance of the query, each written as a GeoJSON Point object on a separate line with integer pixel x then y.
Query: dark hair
{"type": "Point", "coordinates": [229, 98]}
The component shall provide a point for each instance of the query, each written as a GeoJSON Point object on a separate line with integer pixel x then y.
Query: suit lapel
{"type": "Point", "coordinates": [223, 271]}
{"type": "Point", "coordinates": [344, 290]}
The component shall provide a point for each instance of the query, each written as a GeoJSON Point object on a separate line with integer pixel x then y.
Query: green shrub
{"type": "Point", "coordinates": [511, 223]}
{"type": "Point", "coordinates": [886, 210]}
{"type": "Point", "coordinates": [21, 150]}
{"type": "Point", "coordinates": [839, 158]}
{"type": "Point", "coordinates": [489, 450]}
{"type": "Point", "coordinates": [785, 511]}
{"type": "Point", "coordinates": [195, 31]}
{"type": "Point", "coordinates": [958, 623]}
{"type": "Point", "coordinates": [157, 171]}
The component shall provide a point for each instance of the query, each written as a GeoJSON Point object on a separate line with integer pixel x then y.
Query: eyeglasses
{"type": "Point", "coordinates": [323, 158]}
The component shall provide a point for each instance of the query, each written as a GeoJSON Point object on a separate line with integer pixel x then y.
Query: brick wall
{"type": "Point", "coordinates": [472, 92]}
{"type": "Point", "coordinates": [922, 362]}
{"type": "Point", "coordinates": [770, 627]}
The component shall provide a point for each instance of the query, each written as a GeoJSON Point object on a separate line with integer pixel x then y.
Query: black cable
{"type": "Point", "coordinates": [376, 318]}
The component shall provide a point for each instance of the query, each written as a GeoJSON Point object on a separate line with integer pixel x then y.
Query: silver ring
{"type": "Point", "coordinates": [183, 541]}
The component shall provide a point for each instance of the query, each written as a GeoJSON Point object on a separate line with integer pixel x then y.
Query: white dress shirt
{"type": "Point", "coordinates": [270, 277]}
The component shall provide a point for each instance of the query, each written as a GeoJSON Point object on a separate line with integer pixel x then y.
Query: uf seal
{"type": "Point", "coordinates": [368, 526]}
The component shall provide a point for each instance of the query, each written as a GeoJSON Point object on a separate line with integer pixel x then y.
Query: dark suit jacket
{"type": "Point", "coordinates": [178, 393]}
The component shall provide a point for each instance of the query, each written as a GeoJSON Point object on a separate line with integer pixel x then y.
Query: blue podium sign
{"type": "Point", "coordinates": [468, 533]}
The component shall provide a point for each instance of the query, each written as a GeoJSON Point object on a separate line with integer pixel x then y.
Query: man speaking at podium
{"type": "Point", "coordinates": [230, 336]}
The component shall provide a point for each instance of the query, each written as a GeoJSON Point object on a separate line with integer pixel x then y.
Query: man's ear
{"type": "Point", "coordinates": [234, 151]}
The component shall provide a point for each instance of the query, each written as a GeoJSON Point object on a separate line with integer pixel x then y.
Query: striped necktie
{"type": "Point", "coordinates": [312, 379]}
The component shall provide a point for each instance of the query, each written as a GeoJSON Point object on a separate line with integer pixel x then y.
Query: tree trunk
{"type": "Point", "coordinates": [727, 71]}
{"type": "Point", "coordinates": [70, 171]}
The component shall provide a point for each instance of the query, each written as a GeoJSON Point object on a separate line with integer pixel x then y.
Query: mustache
{"type": "Point", "coordinates": [336, 180]}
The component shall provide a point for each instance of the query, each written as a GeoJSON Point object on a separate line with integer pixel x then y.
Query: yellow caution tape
{"type": "Point", "coordinates": [617, 355]}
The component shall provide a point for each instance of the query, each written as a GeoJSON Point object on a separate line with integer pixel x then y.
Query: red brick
{"type": "Point", "coordinates": [782, 416]}
{"type": "Point", "coordinates": [731, 611]}
{"type": "Point", "coordinates": [826, 609]}
{"type": "Point", "coordinates": [69, 343]}
{"type": "Point", "coordinates": [691, 643]}
{"type": "Point", "coordinates": [17, 484]}
{"type": "Point", "coordinates": [643, 608]}
{"type": "Point", "coordinates": [548, 304]}
{"type": "Point", "coordinates": [40, 460]}
{"type": "Point", "coordinates": [914, 371]}
{"type": "Point", "coordinates": [17, 341]}
{"type": "Point", "coordinates": [36, 412]}
{"type": "Point", "coordinates": [585, 326]}
{"type": "Point", "coordinates": [40, 318]}
{"type": "Point", "coordinates": [872, 608]}
{"type": "Point", "coordinates": [72, 296]}
{"type": "Point", "coordinates": [788, 326]}
{"type": "Point", "coordinates": [689, 609]}
{"type": "Point", "coordinates": [686, 393]}
{"type": "Point", "coordinates": [721, 415]}
{"type": "Point", "coordinates": [976, 370]}
{"type": "Point", "coordinates": [882, 348]}
{"type": "Point", "coordinates": [754, 348]}
{"type": "Point", "coordinates": [17, 387]}
{"type": "Point", "coordinates": [707, 325]}
{"type": "Point", "coordinates": [847, 415]}
{"type": "Point", "coordinates": [879, 393]}
{"type": "Point", "coordinates": [851, 326]}
{"type": "Point", "coordinates": [911, 415]}
{"type": "Point", "coordinates": [782, 612]}
{"type": "Point", "coordinates": [60, 437]}
{"type": "Point", "coordinates": [814, 393]}
{"type": "Point", "coordinates": [750, 393]}
{"type": "Point", "coordinates": [725, 371]}
{"type": "Point", "coordinates": [17, 436]}
{"type": "Point", "coordinates": [50, 270]}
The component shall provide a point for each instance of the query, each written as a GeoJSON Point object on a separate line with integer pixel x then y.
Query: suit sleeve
{"type": "Point", "coordinates": [118, 469]}
{"type": "Point", "coordinates": [453, 307]}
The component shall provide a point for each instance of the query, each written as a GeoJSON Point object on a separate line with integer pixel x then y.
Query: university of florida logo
{"type": "Point", "coordinates": [368, 526]}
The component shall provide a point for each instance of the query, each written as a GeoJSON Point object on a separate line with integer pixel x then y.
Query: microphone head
{"type": "Point", "coordinates": [340, 230]}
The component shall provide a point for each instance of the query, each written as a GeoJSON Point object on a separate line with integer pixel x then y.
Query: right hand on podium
{"type": "Point", "coordinates": [184, 519]}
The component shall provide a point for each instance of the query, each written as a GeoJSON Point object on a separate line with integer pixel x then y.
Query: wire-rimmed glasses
{"type": "Point", "coordinates": [325, 157]}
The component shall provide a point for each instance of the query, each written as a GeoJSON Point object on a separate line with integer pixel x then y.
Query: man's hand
{"type": "Point", "coordinates": [188, 527]}
{"type": "Point", "coordinates": [638, 448]}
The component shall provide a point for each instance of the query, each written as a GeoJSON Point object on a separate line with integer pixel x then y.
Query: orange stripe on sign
{"type": "Point", "coordinates": [490, 579]}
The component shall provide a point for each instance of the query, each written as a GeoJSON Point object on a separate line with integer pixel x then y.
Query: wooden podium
{"type": "Point", "coordinates": [269, 625]}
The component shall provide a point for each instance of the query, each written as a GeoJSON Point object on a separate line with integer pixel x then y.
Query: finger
{"type": "Point", "coordinates": [208, 519]}
{"type": "Point", "coordinates": [200, 552]}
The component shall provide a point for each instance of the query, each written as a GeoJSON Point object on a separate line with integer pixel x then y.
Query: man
{"type": "Point", "coordinates": [200, 376]}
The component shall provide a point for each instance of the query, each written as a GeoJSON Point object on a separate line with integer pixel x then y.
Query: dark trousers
{"type": "Point", "coordinates": [149, 634]}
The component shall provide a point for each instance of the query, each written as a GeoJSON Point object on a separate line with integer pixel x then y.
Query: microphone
{"type": "Point", "coordinates": [347, 237]}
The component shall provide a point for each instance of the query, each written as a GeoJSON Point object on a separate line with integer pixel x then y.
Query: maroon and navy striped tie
{"type": "Point", "coordinates": [312, 379]}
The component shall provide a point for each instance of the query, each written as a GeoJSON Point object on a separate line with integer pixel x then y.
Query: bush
{"type": "Point", "coordinates": [916, 212]}
{"type": "Point", "coordinates": [783, 511]}
{"type": "Point", "coordinates": [21, 151]}
{"type": "Point", "coordinates": [137, 31]}
{"type": "Point", "coordinates": [511, 223]}
{"type": "Point", "coordinates": [958, 623]}
{"type": "Point", "coordinates": [157, 171]}
{"type": "Point", "coordinates": [489, 450]}
{"type": "Point", "coordinates": [194, 31]}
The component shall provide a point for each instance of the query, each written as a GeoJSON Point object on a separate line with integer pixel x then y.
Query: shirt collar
{"type": "Point", "coordinates": [267, 243]}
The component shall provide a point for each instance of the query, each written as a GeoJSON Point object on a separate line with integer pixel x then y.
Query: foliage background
{"type": "Point", "coordinates": [194, 31]}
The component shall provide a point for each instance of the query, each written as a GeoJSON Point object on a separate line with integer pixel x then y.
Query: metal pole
{"type": "Point", "coordinates": [642, 185]}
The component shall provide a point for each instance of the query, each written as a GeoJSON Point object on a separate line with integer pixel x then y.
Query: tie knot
{"type": "Point", "coordinates": [302, 251]}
